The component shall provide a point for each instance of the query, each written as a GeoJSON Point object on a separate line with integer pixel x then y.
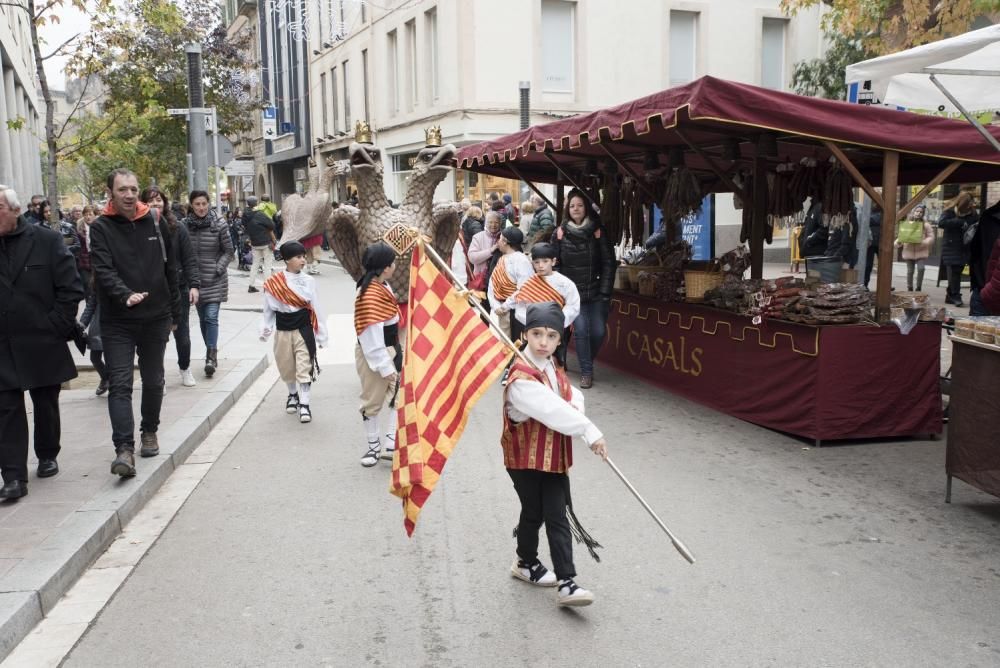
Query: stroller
{"type": "Point", "coordinates": [245, 253]}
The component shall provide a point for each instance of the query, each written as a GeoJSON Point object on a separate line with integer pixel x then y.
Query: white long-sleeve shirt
{"type": "Point", "coordinates": [563, 286]}
{"type": "Point", "coordinates": [372, 341]}
{"type": "Point", "coordinates": [304, 286]}
{"type": "Point", "coordinates": [528, 399]}
{"type": "Point", "coordinates": [518, 267]}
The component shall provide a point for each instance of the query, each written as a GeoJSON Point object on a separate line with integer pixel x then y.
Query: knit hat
{"type": "Point", "coordinates": [545, 314]}
{"type": "Point", "coordinates": [514, 236]}
{"type": "Point", "coordinates": [543, 251]}
{"type": "Point", "coordinates": [506, 199]}
{"type": "Point", "coordinates": [375, 259]}
{"type": "Point", "coordinates": [291, 249]}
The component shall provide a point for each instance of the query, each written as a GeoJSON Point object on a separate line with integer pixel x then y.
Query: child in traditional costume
{"type": "Point", "coordinates": [548, 285]}
{"type": "Point", "coordinates": [378, 356]}
{"type": "Point", "coordinates": [292, 314]}
{"type": "Point", "coordinates": [511, 271]}
{"type": "Point", "coordinates": [542, 414]}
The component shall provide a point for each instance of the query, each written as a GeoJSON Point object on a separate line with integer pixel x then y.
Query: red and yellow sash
{"type": "Point", "coordinates": [375, 304]}
{"type": "Point", "coordinates": [537, 290]}
{"type": "Point", "coordinates": [503, 285]}
{"type": "Point", "coordinates": [278, 287]}
{"type": "Point", "coordinates": [530, 444]}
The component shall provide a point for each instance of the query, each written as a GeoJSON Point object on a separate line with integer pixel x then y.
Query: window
{"type": "Point", "coordinates": [772, 54]}
{"type": "Point", "coordinates": [322, 96]}
{"type": "Point", "coordinates": [335, 99]}
{"type": "Point", "coordinates": [347, 97]}
{"type": "Point", "coordinates": [558, 46]}
{"type": "Point", "coordinates": [431, 32]}
{"type": "Point", "coordinates": [393, 51]}
{"type": "Point", "coordinates": [364, 79]}
{"type": "Point", "coordinates": [411, 70]}
{"type": "Point", "coordinates": [683, 47]}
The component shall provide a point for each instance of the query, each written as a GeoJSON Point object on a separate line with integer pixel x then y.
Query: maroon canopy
{"type": "Point", "coordinates": [711, 111]}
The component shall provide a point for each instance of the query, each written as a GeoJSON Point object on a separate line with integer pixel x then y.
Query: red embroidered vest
{"type": "Point", "coordinates": [530, 444]}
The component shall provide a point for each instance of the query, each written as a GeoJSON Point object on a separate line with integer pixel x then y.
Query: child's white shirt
{"type": "Point", "coordinates": [563, 286]}
{"type": "Point", "coordinates": [519, 268]}
{"type": "Point", "coordinates": [539, 402]}
{"type": "Point", "coordinates": [305, 287]}
{"type": "Point", "coordinates": [372, 341]}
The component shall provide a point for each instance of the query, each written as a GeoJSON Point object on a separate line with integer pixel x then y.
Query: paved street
{"type": "Point", "coordinates": [288, 552]}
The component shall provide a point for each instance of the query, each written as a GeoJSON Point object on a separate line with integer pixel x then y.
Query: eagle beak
{"type": "Point", "coordinates": [442, 159]}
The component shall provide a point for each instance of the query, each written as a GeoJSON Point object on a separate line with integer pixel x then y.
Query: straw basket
{"type": "Point", "coordinates": [698, 282]}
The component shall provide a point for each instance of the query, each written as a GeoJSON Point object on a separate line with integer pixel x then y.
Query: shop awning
{"type": "Point", "coordinates": [717, 116]}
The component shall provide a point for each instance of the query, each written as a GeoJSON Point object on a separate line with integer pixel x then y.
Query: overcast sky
{"type": "Point", "coordinates": [71, 22]}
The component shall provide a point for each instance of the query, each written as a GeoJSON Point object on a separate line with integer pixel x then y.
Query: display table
{"type": "Point", "coordinates": [820, 382]}
{"type": "Point", "coordinates": [973, 454]}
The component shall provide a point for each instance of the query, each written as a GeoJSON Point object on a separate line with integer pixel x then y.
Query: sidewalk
{"type": "Point", "coordinates": [50, 537]}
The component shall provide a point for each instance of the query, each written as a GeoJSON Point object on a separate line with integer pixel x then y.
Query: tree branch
{"type": "Point", "coordinates": [61, 47]}
{"type": "Point", "coordinates": [84, 143]}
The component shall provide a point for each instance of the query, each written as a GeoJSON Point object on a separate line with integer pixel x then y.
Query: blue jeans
{"type": "Point", "coordinates": [590, 327]}
{"type": "Point", "coordinates": [208, 316]}
{"type": "Point", "coordinates": [976, 304]}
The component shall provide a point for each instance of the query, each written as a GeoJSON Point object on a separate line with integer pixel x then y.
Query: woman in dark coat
{"type": "Point", "coordinates": [585, 256]}
{"type": "Point", "coordinates": [954, 253]}
{"type": "Point", "coordinates": [213, 251]}
{"type": "Point", "coordinates": [188, 281]}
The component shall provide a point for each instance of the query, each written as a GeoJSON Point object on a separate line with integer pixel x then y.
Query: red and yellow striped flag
{"type": "Point", "coordinates": [452, 357]}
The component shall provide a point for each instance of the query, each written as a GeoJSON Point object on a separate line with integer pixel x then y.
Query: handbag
{"type": "Point", "coordinates": [911, 232]}
{"type": "Point", "coordinates": [478, 281]}
{"type": "Point", "coordinates": [970, 233]}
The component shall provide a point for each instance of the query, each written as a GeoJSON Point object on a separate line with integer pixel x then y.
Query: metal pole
{"type": "Point", "coordinates": [972, 119]}
{"type": "Point", "coordinates": [196, 120]}
{"type": "Point", "coordinates": [215, 160]}
{"type": "Point", "coordinates": [190, 172]}
{"type": "Point", "coordinates": [673, 539]}
{"type": "Point", "coordinates": [524, 87]}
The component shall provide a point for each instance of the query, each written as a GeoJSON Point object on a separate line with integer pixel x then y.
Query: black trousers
{"type": "Point", "coordinates": [122, 342]}
{"type": "Point", "coordinates": [543, 500]}
{"type": "Point", "coordinates": [14, 429]}
{"type": "Point", "coordinates": [955, 281]}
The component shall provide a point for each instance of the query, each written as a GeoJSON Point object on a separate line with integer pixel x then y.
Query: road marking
{"type": "Point", "coordinates": [56, 635]}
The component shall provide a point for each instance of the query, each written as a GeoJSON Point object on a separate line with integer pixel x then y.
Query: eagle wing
{"type": "Point", "coordinates": [342, 232]}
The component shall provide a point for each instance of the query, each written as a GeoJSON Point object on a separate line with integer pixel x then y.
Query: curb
{"type": "Point", "coordinates": [30, 590]}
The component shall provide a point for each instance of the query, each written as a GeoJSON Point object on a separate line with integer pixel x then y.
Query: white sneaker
{"type": "Point", "coordinates": [572, 595]}
{"type": "Point", "coordinates": [370, 458]}
{"type": "Point", "coordinates": [305, 415]}
{"type": "Point", "coordinates": [187, 378]}
{"type": "Point", "coordinates": [535, 574]}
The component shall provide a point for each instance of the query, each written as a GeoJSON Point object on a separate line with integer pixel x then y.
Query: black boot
{"type": "Point", "coordinates": [211, 361]}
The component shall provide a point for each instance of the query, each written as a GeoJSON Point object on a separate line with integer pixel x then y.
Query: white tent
{"type": "Point", "coordinates": [956, 74]}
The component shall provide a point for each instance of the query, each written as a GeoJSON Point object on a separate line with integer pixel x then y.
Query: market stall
{"type": "Point", "coordinates": [811, 359]}
{"type": "Point", "coordinates": [973, 454]}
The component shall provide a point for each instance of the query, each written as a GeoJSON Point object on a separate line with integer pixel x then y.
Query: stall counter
{"type": "Point", "coordinates": [824, 383]}
{"type": "Point", "coordinates": [973, 453]}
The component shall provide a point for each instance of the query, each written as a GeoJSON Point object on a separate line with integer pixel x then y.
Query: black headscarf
{"type": "Point", "coordinates": [543, 250]}
{"type": "Point", "coordinates": [514, 237]}
{"type": "Point", "coordinates": [545, 314]}
{"type": "Point", "coordinates": [291, 249]}
{"type": "Point", "coordinates": [375, 259]}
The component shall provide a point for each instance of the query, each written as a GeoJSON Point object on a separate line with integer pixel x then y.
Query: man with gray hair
{"type": "Point", "coordinates": [39, 294]}
{"type": "Point", "coordinates": [260, 228]}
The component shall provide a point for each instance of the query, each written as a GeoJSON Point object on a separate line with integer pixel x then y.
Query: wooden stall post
{"type": "Point", "coordinates": [560, 201]}
{"type": "Point", "coordinates": [887, 245]}
{"type": "Point", "coordinates": [759, 205]}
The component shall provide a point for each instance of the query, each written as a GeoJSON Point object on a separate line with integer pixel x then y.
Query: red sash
{"type": "Point", "coordinates": [537, 290]}
{"type": "Point", "coordinates": [503, 285]}
{"type": "Point", "coordinates": [375, 304]}
{"type": "Point", "coordinates": [278, 287]}
{"type": "Point", "coordinates": [530, 444]}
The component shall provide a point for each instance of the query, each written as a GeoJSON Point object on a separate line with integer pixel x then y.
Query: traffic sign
{"type": "Point", "coordinates": [177, 112]}
{"type": "Point", "coordinates": [239, 168]}
{"type": "Point", "coordinates": [269, 122]}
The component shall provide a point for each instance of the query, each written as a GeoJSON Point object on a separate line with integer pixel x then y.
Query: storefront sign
{"type": "Point", "coordinates": [782, 375]}
{"type": "Point", "coordinates": [697, 230]}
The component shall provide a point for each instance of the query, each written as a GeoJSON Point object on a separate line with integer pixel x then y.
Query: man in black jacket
{"type": "Point", "coordinates": [39, 294]}
{"type": "Point", "coordinates": [260, 228]}
{"type": "Point", "coordinates": [136, 279]}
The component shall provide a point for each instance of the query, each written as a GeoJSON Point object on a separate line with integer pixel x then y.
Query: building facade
{"type": "Point", "coordinates": [460, 63]}
{"type": "Point", "coordinates": [22, 127]}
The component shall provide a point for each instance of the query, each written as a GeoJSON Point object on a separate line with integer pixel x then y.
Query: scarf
{"type": "Point", "coordinates": [374, 304]}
